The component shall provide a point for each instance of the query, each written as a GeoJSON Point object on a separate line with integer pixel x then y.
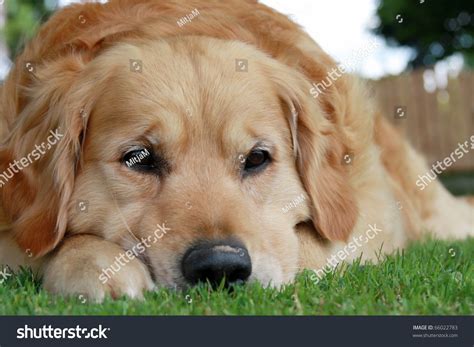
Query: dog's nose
{"type": "Point", "coordinates": [214, 261]}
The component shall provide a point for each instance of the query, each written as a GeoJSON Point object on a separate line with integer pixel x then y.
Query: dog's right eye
{"type": "Point", "coordinates": [140, 159]}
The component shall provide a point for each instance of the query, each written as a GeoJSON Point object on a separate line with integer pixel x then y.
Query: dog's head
{"type": "Point", "coordinates": [200, 155]}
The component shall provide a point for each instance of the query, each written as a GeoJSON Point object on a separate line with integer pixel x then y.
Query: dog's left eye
{"type": "Point", "coordinates": [256, 161]}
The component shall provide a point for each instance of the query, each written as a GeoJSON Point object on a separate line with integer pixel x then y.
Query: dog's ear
{"type": "Point", "coordinates": [320, 144]}
{"type": "Point", "coordinates": [45, 101]}
{"type": "Point", "coordinates": [39, 156]}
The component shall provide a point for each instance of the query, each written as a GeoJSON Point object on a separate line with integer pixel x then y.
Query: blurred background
{"type": "Point", "coordinates": [422, 62]}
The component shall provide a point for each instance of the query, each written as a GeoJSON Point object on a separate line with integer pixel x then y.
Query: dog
{"type": "Point", "coordinates": [168, 143]}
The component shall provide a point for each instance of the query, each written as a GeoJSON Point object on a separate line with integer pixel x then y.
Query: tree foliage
{"type": "Point", "coordinates": [434, 29]}
{"type": "Point", "coordinates": [23, 18]}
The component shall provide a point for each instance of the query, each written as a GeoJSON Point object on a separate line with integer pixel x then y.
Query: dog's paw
{"type": "Point", "coordinates": [78, 269]}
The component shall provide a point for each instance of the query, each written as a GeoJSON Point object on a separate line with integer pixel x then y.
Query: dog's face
{"type": "Point", "coordinates": [201, 169]}
{"type": "Point", "coordinates": [192, 144]}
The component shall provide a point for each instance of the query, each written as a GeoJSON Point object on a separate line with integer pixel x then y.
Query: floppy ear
{"type": "Point", "coordinates": [45, 106]}
{"type": "Point", "coordinates": [319, 145]}
{"type": "Point", "coordinates": [38, 159]}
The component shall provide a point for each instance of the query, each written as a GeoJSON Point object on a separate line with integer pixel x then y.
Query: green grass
{"type": "Point", "coordinates": [459, 183]}
{"type": "Point", "coordinates": [433, 278]}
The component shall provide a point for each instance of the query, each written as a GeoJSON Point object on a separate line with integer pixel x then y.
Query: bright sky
{"type": "Point", "coordinates": [341, 27]}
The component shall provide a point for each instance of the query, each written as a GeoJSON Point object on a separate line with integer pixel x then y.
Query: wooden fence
{"type": "Point", "coordinates": [434, 122]}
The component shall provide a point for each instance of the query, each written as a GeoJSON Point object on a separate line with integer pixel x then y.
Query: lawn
{"type": "Point", "coordinates": [434, 278]}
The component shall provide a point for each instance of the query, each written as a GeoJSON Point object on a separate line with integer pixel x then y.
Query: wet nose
{"type": "Point", "coordinates": [215, 261]}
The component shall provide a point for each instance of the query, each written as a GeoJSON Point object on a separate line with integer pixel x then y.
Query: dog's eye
{"type": "Point", "coordinates": [256, 161]}
{"type": "Point", "coordinates": [140, 159]}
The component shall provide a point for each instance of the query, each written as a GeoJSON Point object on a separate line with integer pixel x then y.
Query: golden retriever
{"type": "Point", "coordinates": [170, 142]}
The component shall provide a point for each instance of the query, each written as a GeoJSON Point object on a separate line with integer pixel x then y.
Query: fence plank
{"type": "Point", "coordinates": [436, 122]}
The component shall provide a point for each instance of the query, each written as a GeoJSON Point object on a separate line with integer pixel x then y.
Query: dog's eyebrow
{"type": "Point", "coordinates": [264, 144]}
{"type": "Point", "coordinates": [261, 143]}
{"type": "Point", "coordinates": [148, 137]}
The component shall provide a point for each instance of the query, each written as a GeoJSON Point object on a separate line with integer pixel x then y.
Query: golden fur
{"type": "Point", "coordinates": [190, 103]}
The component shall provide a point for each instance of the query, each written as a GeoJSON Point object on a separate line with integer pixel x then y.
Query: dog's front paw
{"type": "Point", "coordinates": [79, 266]}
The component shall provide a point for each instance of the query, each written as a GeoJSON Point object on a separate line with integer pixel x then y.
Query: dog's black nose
{"type": "Point", "coordinates": [214, 261]}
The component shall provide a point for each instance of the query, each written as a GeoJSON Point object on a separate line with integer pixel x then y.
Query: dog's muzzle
{"type": "Point", "coordinates": [215, 261]}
